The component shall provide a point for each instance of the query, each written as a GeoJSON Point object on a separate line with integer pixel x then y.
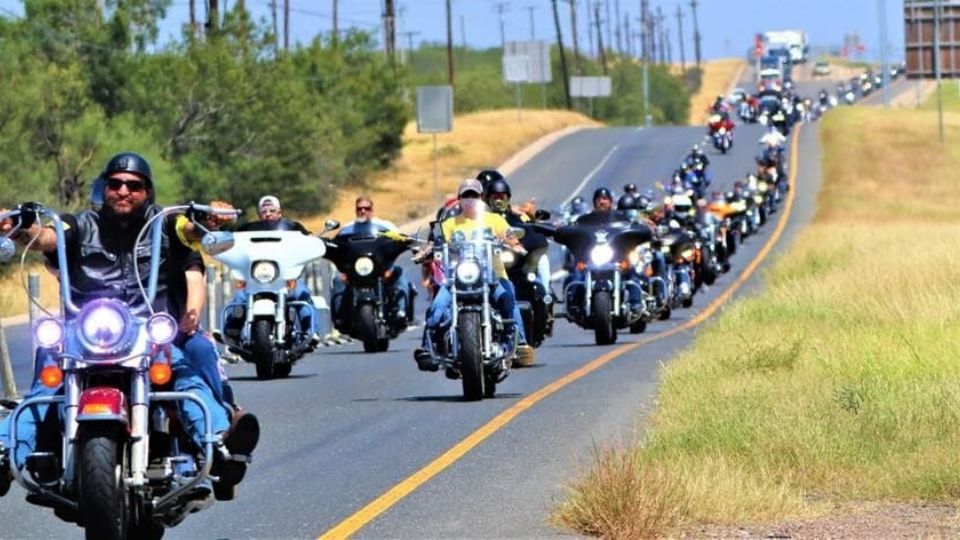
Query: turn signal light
{"type": "Point", "coordinates": [291, 284]}
{"type": "Point", "coordinates": [388, 273]}
{"type": "Point", "coordinates": [648, 271]}
{"type": "Point", "coordinates": [581, 266]}
{"type": "Point", "coordinates": [51, 376]}
{"type": "Point", "coordinates": [160, 373]}
{"type": "Point", "coordinates": [239, 284]}
{"type": "Point", "coordinates": [343, 277]}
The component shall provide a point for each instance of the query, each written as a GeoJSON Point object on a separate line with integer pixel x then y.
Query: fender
{"type": "Point", "coordinates": [264, 306]}
{"type": "Point", "coordinates": [100, 404]}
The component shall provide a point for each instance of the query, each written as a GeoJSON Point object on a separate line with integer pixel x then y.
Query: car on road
{"type": "Point", "coordinates": [820, 68]}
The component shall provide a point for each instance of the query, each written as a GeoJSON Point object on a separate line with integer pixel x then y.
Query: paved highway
{"type": "Point", "coordinates": [348, 426]}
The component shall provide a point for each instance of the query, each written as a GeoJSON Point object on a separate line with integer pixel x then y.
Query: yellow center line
{"type": "Point", "coordinates": [381, 504]}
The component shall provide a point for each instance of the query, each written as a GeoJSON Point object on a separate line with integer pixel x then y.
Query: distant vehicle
{"type": "Point", "coordinates": [737, 95]}
{"type": "Point", "coordinates": [770, 79]}
{"type": "Point", "coordinates": [786, 65]}
{"type": "Point", "coordinates": [795, 41]}
{"type": "Point", "coordinates": [821, 67]}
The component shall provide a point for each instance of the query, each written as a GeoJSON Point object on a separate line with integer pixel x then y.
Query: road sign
{"type": "Point", "coordinates": [535, 53]}
{"type": "Point", "coordinates": [516, 69]}
{"type": "Point", "coordinates": [590, 86]}
{"type": "Point", "coordinates": [434, 109]}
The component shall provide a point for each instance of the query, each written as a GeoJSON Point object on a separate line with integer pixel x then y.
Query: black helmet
{"type": "Point", "coordinates": [578, 206]}
{"type": "Point", "coordinates": [497, 185]}
{"type": "Point", "coordinates": [630, 188]}
{"type": "Point", "coordinates": [602, 192]}
{"type": "Point", "coordinates": [131, 163]}
{"type": "Point", "coordinates": [627, 202]}
{"type": "Point", "coordinates": [488, 175]}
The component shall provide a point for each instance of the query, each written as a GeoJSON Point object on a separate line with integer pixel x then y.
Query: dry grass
{"type": "Point", "coordinates": [840, 383]}
{"type": "Point", "coordinates": [718, 76]}
{"type": "Point", "coordinates": [13, 296]}
{"type": "Point", "coordinates": [478, 141]}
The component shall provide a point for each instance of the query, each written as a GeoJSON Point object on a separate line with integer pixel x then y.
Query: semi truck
{"type": "Point", "coordinates": [795, 41]}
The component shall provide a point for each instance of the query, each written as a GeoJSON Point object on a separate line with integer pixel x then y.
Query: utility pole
{"type": "Point", "coordinates": [276, 29]}
{"type": "Point", "coordinates": [937, 61]}
{"type": "Point", "coordinates": [668, 42]}
{"type": "Point", "coordinates": [644, 29]}
{"type": "Point", "coordinates": [213, 17]}
{"type": "Point", "coordinates": [533, 28]}
{"type": "Point", "coordinates": [652, 36]}
{"type": "Point", "coordinates": [609, 21]}
{"type": "Point", "coordinates": [463, 40]}
{"type": "Point", "coordinates": [882, 10]}
{"type": "Point", "coordinates": [501, 7]}
{"type": "Point", "coordinates": [683, 59]}
{"type": "Point", "coordinates": [619, 34]}
{"type": "Point", "coordinates": [409, 36]}
{"type": "Point", "coordinates": [696, 32]}
{"type": "Point", "coordinates": [663, 36]}
{"type": "Point", "coordinates": [563, 55]}
{"type": "Point", "coordinates": [389, 31]}
{"type": "Point", "coordinates": [336, 25]}
{"type": "Point", "coordinates": [596, 19]}
{"type": "Point", "coordinates": [286, 25]}
{"type": "Point", "coordinates": [193, 18]}
{"type": "Point", "coordinates": [589, 29]}
{"type": "Point", "coordinates": [573, 28]}
{"type": "Point", "coordinates": [449, 44]}
{"type": "Point", "coordinates": [628, 34]}
{"type": "Point", "coordinates": [647, 117]}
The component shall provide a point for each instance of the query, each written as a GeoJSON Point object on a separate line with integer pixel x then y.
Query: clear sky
{"type": "Point", "coordinates": [726, 26]}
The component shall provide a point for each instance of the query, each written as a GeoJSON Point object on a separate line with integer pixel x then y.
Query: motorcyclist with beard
{"type": "Point", "coordinates": [99, 247]}
{"type": "Point", "coordinates": [472, 215]}
{"type": "Point", "coordinates": [399, 285]}
{"type": "Point", "coordinates": [271, 219]}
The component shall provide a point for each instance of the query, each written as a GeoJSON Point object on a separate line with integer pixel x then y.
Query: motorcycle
{"type": "Point", "coordinates": [266, 329]}
{"type": "Point", "coordinates": [533, 299]}
{"type": "Point", "coordinates": [601, 250]}
{"type": "Point", "coordinates": [679, 248]}
{"type": "Point", "coordinates": [721, 132]}
{"type": "Point", "coordinates": [122, 465]}
{"type": "Point", "coordinates": [365, 259]}
{"type": "Point", "coordinates": [471, 346]}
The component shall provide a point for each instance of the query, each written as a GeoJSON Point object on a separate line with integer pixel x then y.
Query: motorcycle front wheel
{"type": "Point", "coordinates": [368, 328]}
{"type": "Point", "coordinates": [604, 332]}
{"type": "Point", "coordinates": [469, 331]}
{"type": "Point", "coordinates": [263, 352]}
{"type": "Point", "coordinates": [102, 503]}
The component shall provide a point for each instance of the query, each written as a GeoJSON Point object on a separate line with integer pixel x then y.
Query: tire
{"type": "Point", "coordinates": [102, 501]}
{"type": "Point", "coordinates": [282, 370]}
{"type": "Point", "coordinates": [638, 327]}
{"type": "Point", "coordinates": [368, 328]}
{"type": "Point", "coordinates": [731, 244]}
{"type": "Point", "coordinates": [148, 530]}
{"type": "Point", "coordinates": [688, 302]}
{"type": "Point", "coordinates": [604, 333]}
{"type": "Point", "coordinates": [665, 314]}
{"type": "Point", "coordinates": [383, 344]}
{"type": "Point", "coordinates": [489, 385]}
{"type": "Point", "coordinates": [471, 355]}
{"type": "Point", "coordinates": [263, 353]}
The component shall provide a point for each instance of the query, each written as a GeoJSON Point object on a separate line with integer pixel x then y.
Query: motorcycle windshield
{"type": "Point", "coordinates": [472, 231]}
{"type": "Point", "coordinates": [622, 235]}
{"type": "Point", "coordinates": [364, 240]}
{"type": "Point", "coordinates": [289, 250]}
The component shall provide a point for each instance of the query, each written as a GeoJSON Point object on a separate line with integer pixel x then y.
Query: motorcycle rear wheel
{"type": "Point", "coordinates": [103, 504]}
{"type": "Point", "coordinates": [471, 355]}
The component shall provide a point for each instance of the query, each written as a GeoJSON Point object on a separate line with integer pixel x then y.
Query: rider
{"type": "Point", "coordinates": [103, 268]}
{"type": "Point", "coordinates": [363, 206]}
{"type": "Point", "coordinates": [438, 315]}
{"type": "Point", "coordinates": [719, 106]}
{"type": "Point", "coordinates": [488, 175]}
{"type": "Point", "coordinates": [271, 219]}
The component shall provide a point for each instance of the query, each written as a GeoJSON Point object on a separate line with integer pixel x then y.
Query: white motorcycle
{"type": "Point", "coordinates": [264, 328]}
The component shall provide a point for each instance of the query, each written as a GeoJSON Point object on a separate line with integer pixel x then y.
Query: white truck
{"type": "Point", "coordinates": [794, 41]}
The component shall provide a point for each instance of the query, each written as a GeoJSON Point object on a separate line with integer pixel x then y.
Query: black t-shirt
{"type": "Point", "coordinates": [120, 240]}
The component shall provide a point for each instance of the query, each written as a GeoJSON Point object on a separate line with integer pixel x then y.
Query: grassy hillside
{"type": "Point", "coordinates": [839, 383]}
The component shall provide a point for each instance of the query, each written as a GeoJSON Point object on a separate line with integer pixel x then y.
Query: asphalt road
{"type": "Point", "coordinates": [348, 426]}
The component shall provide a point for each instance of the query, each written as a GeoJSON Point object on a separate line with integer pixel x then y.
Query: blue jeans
{"type": "Point", "coordinates": [307, 313]}
{"type": "Point", "coordinates": [439, 314]}
{"type": "Point", "coordinates": [187, 377]}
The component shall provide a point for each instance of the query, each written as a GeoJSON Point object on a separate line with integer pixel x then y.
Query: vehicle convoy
{"type": "Point", "coordinates": [115, 458]}
{"type": "Point", "coordinates": [263, 326]}
{"type": "Point", "coordinates": [365, 258]}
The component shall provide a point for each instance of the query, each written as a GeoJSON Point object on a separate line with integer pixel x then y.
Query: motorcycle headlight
{"type": "Point", "coordinates": [687, 254]}
{"type": "Point", "coordinates": [507, 258]}
{"type": "Point", "coordinates": [161, 328]}
{"type": "Point", "coordinates": [758, 199]}
{"type": "Point", "coordinates": [264, 271]}
{"type": "Point", "coordinates": [103, 325]}
{"type": "Point", "coordinates": [468, 272]}
{"type": "Point", "coordinates": [723, 131]}
{"type": "Point", "coordinates": [363, 266]}
{"type": "Point", "coordinates": [48, 333]}
{"type": "Point", "coordinates": [601, 254]}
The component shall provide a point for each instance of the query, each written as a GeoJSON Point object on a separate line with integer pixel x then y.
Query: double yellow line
{"type": "Point", "coordinates": [395, 494]}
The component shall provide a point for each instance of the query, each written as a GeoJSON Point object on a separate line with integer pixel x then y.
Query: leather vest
{"type": "Point", "coordinates": [109, 273]}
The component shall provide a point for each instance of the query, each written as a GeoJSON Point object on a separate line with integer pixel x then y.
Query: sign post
{"type": "Point", "coordinates": [527, 62]}
{"type": "Point", "coordinates": [435, 115]}
{"type": "Point", "coordinates": [590, 87]}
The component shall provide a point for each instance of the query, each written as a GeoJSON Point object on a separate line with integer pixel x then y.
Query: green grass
{"type": "Point", "coordinates": [951, 98]}
{"type": "Point", "coordinates": [841, 382]}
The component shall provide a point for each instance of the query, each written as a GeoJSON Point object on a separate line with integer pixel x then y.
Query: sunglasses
{"type": "Point", "coordinates": [133, 186]}
{"type": "Point", "coordinates": [364, 209]}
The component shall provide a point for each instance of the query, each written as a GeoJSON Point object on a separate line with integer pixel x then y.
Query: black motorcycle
{"type": "Point", "coordinates": [533, 298]}
{"type": "Point", "coordinates": [597, 297]}
{"type": "Point", "coordinates": [365, 259]}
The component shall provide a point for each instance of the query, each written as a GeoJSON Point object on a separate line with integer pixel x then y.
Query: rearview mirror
{"type": "Point", "coordinates": [7, 249]}
{"type": "Point", "coordinates": [330, 224]}
{"type": "Point", "coordinates": [216, 242]}
{"type": "Point", "coordinates": [518, 232]}
{"type": "Point", "coordinates": [542, 215]}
